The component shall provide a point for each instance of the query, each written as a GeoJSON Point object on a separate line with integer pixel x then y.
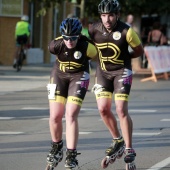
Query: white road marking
{"type": "Point", "coordinates": [34, 108]}
{"type": "Point", "coordinates": [160, 165]}
{"type": "Point", "coordinates": [145, 134]}
{"type": "Point", "coordinates": [92, 109]}
{"type": "Point", "coordinates": [165, 120]}
{"type": "Point", "coordinates": [116, 119]}
{"type": "Point", "coordinates": [81, 133]}
{"type": "Point", "coordinates": [89, 109]}
{"type": "Point", "coordinates": [10, 133]}
{"type": "Point", "coordinates": [6, 118]}
{"type": "Point", "coordinates": [45, 118]}
{"type": "Point", "coordinates": [63, 119]}
{"type": "Point", "coordinates": [130, 110]}
{"type": "Point", "coordinates": [140, 110]}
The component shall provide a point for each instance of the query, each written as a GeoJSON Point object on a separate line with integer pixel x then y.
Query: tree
{"type": "Point", "coordinates": [128, 6]}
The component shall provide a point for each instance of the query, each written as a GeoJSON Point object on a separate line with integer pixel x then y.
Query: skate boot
{"type": "Point", "coordinates": [71, 162]}
{"type": "Point", "coordinates": [55, 156]}
{"type": "Point", "coordinates": [116, 150]}
{"type": "Point", "coordinates": [129, 159]}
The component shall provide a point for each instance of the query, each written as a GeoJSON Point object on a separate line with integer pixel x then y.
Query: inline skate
{"type": "Point", "coordinates": [55, 156]}
{"type": "Point", "coordinates": [116, 150]}
{"type": "Point", "coordinates": [129, 159]}
{"type": "Point", "coordinates": [71, 163]}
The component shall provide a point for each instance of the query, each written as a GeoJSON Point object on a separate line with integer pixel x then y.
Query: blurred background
{"type": "Point", "coordinates": [45, 17]}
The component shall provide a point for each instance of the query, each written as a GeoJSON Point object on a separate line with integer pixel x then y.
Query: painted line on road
{"type": "Point", "coordinates": [160, 165]}
{"type": "Point", "coordinates": [146, 134]}
{"type": "Point", "coordinates": [89, 109]}
{"type": "Point", "coordinates": [81, 133]}
{"type": "Point", "coordinates": [63, 119]}
{"type": "Point", "coordinates": [130, 110]}
{"type": "Point", "coordinates": [140, 110]}
{"type": "Point", "coordinates": [165, 120]}
{"type": "Point", "coordinates": [92, 109]}
{"type": "Point", "coordinates": [10, 133]}
{"type": "Point", "coordinates": [6, 118]}
{"type": "Point", "coordinates": [34, 108]}
{"type": "Point", "coordinates": [116, 119]}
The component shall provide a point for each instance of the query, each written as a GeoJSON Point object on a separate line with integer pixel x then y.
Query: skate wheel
{"type": "Point", "coordinates": [112, 160]}
{"type": "Point", "coordinates": [131, 166]}
{"type": "Point", "coordinates": [49, 167]}
{"type": "Point", "coordinates": [119, 155]}
{"type": "Point", "coordinates": [104, 163]}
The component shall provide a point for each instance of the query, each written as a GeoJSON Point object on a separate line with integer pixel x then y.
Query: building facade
{"type": "Point", "coordinates": [43, 28]}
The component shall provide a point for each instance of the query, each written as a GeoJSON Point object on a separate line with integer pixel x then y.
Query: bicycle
{"type": "Point", "coordinates": [21, 58]}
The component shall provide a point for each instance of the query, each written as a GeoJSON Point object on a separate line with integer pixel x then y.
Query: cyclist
{"type": "Point", "coordinates": [114, 72]}
{"type": "Point", "coordinates": [22, 33]}
{"type": "Point", "coordinates": [67, 88]}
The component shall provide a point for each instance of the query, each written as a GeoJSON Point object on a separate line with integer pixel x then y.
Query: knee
{"type": "Point", "coordinates": [71, 116]}
{"type": "Point", "coordinates": [103, 110]}
{"type": "Point", "coordinates": [121, 112]}
{"type": "Point", "coordinates": [55, 117]}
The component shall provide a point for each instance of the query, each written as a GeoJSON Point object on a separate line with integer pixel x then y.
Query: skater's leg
{"type": "Point", "coordinates": [72, 129]}
{"type": "Point", "coordinates": [104, 107]}
{"type": "Point", "coordinates": [55, 121]}
{"type": "Point", "coordinates": [117, 147]}
{"type": "Point", "coordinates": [125, 121]}
{"type": "Point", "coordinates": [72, 133]}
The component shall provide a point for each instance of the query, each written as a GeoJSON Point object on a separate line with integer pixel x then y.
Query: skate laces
{"type": "Point", "coordinates": [71, 156]}
{"type": "Point", "coordinates": [115, 145]}
{"type": "Point", "coordinates": [56, 147]}
{"type": "Point", "coordinates": [130, 152]}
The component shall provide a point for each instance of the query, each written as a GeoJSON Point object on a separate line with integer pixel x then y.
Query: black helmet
{"type": "Point", "coordinates": [109, 6]}
{"type": "Point", "coordinates": [70, 27]}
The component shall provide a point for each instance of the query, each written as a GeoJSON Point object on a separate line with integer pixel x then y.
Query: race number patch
{"type": "Point", "coordinates": [51, 91]}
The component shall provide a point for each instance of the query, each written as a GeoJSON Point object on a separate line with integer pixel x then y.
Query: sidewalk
{"type": "Point", "coordinates": [31, 76]}
{"type": "Point", "coordinates": [34, 76]}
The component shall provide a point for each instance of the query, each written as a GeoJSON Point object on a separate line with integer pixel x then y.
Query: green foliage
{"type": "Point", "coordinates": [45, 5]}
{"type": "Point", "coordinates": [127, 6]}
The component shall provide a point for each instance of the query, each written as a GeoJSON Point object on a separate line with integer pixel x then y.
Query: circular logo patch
{"type": "Point", "coordinates": [116, 35]}
{"type": "Point", "coordinates": [77, 54]}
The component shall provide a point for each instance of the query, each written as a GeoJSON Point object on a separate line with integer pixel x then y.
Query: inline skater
{"type": "Point", "coordinates": [114, 75]}
{"type": "Point", "coordinates": [67, 88]}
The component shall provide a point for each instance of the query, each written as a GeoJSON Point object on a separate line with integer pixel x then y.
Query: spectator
{"type": "Point", "coordinates": [129, 20]}
{"type": "Point", "coordinates": [155, 36]}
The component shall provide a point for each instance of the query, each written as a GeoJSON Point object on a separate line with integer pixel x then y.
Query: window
{"type": "Point", "coordinates": [11, 8]}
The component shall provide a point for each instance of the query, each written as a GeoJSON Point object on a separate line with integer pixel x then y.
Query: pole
{"type": "Point", "coordinates": [82, 9]}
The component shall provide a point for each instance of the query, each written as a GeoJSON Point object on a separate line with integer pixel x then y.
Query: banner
{"type": "Point", "coordinates": [159, 58]}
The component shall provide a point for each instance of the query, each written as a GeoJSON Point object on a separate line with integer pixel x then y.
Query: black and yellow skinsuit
{"type": "Point", "coordinates": [70, 73]}
{"type": "Point", "coordinates": [114, 71]}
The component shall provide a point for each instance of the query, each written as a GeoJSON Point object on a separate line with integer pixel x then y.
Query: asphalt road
{"type": "Point", "coordinates": [24, 131]}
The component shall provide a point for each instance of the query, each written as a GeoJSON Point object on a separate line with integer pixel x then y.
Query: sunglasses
{"type": "Point", "coordinates": [71, 38]}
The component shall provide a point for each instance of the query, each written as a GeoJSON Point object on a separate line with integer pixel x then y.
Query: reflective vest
{"type": "Point", "coordinates": [22, 28]}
